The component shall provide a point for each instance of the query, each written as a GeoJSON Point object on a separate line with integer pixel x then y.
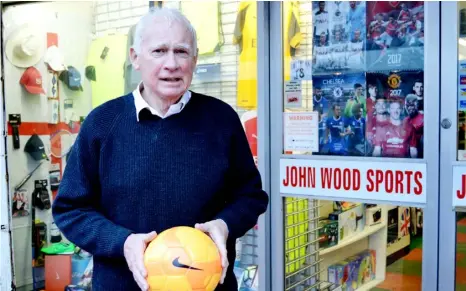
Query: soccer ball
{"type": "Point", "coordinates": [182, 259]}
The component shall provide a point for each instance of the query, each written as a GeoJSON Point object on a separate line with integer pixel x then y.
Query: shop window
{"type": "Point", "coordinates": [81, 61]}
{"type": "Point", "coordinates": [353, 88]}
{"type": "Point", "coordinates": [354, 76]}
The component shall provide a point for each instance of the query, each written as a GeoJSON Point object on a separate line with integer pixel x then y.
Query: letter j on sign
{"type": "Point", "coordinates": [459, 186]}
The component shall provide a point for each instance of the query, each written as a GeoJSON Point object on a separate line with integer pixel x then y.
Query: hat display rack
{"type": "Point", "coordinates": [28, 49]}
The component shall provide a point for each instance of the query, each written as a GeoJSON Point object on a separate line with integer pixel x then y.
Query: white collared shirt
{"type": "Point", "coordinates": [140, 104]}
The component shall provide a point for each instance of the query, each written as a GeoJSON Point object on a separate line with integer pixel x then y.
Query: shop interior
{"type": "Point", "coordinates": [77, 59]}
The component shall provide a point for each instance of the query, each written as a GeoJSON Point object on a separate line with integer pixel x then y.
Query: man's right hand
{"type": "Point", "coordinates": [134, 248]}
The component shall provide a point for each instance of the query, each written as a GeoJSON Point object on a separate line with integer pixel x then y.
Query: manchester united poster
{"type": "Point", "coordinates": [395, 115]}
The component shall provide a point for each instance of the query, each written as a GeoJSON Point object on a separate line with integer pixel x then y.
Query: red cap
{"type": "Point", "coordinates": [32, 81]}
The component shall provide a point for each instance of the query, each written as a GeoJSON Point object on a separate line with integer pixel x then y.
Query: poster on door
{"type": "Point", "coordinates": [339, 36]}
{"type": "Point", "coordinates": [395, 114]}
{"type": "Point", "coordinates": [301, 132]}
{"type": "Point", "coordinates": [395, 35]}
{"type": "Point", "coordinates": [341, 104]}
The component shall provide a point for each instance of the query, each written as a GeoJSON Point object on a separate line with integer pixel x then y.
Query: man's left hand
{"type": "Point", "coordinates": [218, 231]}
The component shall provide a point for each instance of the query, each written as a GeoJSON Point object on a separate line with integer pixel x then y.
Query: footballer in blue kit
{"type": "Point", "coordinates": [319, 103]}
{"type": "Point", "coordinates": [335, 132]}
{"type": "Point", "coordinates": [356, 131]}
{"type": "Point", "coordinates": [322, 130]}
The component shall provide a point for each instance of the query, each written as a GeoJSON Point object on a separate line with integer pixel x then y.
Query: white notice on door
{"type": "Point", "coordinates": [293, 97]}
{"type": "Point", "coordinates": [301, 131]}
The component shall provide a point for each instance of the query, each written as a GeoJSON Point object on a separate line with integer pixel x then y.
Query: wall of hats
{"type": "Point", "coordinates": [63, 59]}
{"type": "Point", "coordinates": [47, 93]}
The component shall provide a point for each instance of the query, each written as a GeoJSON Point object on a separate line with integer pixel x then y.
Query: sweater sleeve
{"type": "Point", "coordinates": [247, 201]}
{"type": "Point", "coordinates": [76, 206]}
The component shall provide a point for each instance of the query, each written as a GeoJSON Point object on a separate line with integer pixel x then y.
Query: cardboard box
{"type": "Point", "coordinates": [328, 233]}
{"type": "Point", "coordinates": [57, 272]}
{"type": "Point", "coordinates": [350, 222]}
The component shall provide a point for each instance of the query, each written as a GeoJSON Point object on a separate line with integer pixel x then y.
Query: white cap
{"type": "Point", "coordinates": [54, 58]}
{"type": "Point", "coordinates": [25, 46]}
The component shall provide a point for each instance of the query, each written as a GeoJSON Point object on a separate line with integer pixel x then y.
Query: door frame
{"type": "Point", "coordinates": [448, 157]}
{"type": "Point", "coordinates": [431, 146]}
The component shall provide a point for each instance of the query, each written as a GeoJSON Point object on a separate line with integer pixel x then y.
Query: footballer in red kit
{"type": "Point", "coordinates": [396, 138]}
{"type": "Point", "coordinates": [415, 119]}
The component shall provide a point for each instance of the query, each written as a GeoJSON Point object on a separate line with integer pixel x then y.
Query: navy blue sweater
{"type": "Point", "coordinates": [125, 176]}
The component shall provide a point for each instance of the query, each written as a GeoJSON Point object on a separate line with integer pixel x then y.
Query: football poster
{"type": "Point", "coordinates": [338, 36]}
{"type": "Point", "coordinates": [395, 115]}
{"type": "Point", "coordinates": [395, 35]}
{"type": "Point", "coordinates": [341, 103]}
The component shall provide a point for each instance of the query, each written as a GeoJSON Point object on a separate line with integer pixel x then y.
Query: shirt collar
{"type": "Point", "coordinates": [141, 104]}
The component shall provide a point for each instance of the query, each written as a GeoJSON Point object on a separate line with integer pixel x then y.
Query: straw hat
{"type": "Point", "coordinates": [25, 46]}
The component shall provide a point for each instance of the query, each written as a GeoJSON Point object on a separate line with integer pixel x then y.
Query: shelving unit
{"type": "Point", "coordinates": [310, 266]}
{"type": "Point", "coordinates": [372, 237]}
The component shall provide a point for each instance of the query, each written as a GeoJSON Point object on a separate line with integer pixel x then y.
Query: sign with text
{"type": "Point", "coordinates": [459, 186]}
{"type": "Point", "coordinates": [301, 131]}
{"type": "Point", "coordinates": [397, 182]}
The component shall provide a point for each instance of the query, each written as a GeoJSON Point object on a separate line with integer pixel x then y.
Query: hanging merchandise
{"type": "Point", "coordinates": [15, 122]}
{"type": "Point", "coordinates": [20, 203]}
{"type": "Point", "coordinates": [90, 73]}
{"type": "Point", "coordinates": [24, 46]}
{"type": "Point", "coordinates": [35, 148]}
{"type": "Point", "coordinates": [109, 71]}
{"type": "Point", "coordinates": [72, 78]}
{"type": "Point", "coordinates": [132, 76]}
{"type": "Point", "coordinates": [245, 36]}
{"type": "Point", "coordinates": [32, 81]}
{"type": "Point", "coordinates": [54, 58]}
{"type": "Point", "coordinates": [205, 17]}
{"type": "Point", "coordinates": [40, 196]}
{"type": "Point", "coordinates": [52, 85]}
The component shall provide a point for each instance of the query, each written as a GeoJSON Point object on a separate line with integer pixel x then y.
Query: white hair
{"type": "Point", "coordinates": [170, 15]}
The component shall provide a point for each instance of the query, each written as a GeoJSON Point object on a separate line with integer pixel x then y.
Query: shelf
{"type": "Point", "coordinates": [370, 285]}
{"type": "Point", "coordinates": [398, 245]}
{"type": "Point", "coordinates": [346, 242]}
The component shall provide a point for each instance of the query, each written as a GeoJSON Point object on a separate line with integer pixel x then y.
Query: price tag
{"type": "Point", "coordinates": [301, 70]}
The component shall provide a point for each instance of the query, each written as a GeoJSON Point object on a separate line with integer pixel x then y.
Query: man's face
{"type": "Point", "coordinates": [352, 4]}
{"type": "Point", "coordinates": [358, 113]}
{"type": "Point", "coordinates": [373, 91]}
{"type": "Point", "coordinates": [395, 111]}
{"type": "Point", "coordinates": [337, 35]}
{"type": "Point", "coordinates": [358, 92]}
{"type": "Point", "coordinates": [323, 38]}
{"type": "Point", "coordinates": [321, 6]}
{"type": "Point", "coordinates": [357, 35]}
{"type": "Point", "coordinates": [166, 60]}
{"type": "Point", "coordinates": [412, 107]}
{"type": "Point", "coordinates": [337, 111]}
{"type": "Point", "coordinates": [319, 92]}
{"type": "Point", "coordinates": [380, 106]}
{"type": "Point", "coordinates": [418, 88]}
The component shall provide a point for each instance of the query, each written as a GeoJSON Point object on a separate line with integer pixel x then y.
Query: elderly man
{"type": "Point", "coordinates": [159, 157]}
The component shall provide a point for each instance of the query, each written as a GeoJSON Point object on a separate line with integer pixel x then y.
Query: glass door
{"type": "Point", "coordinates": [354, 153]}
{"type": "Point", "coordinates": [452, 242]}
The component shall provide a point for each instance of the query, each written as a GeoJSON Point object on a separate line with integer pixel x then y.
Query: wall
{"type": "Point", "coordinates": [73, 22]}
{"type": "Point", "coordinates": [118, 17]}
{"type": "Point", "coordinates": [78, 25]}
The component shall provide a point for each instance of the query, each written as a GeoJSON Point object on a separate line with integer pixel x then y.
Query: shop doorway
{"type": "Point", "coordinates": [355, 157]}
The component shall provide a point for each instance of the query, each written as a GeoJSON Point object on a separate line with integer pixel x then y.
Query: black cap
{"type": "Point", "coordinates": [90, 73]}
{"type": "Point", "coordinates": [35, 148]}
